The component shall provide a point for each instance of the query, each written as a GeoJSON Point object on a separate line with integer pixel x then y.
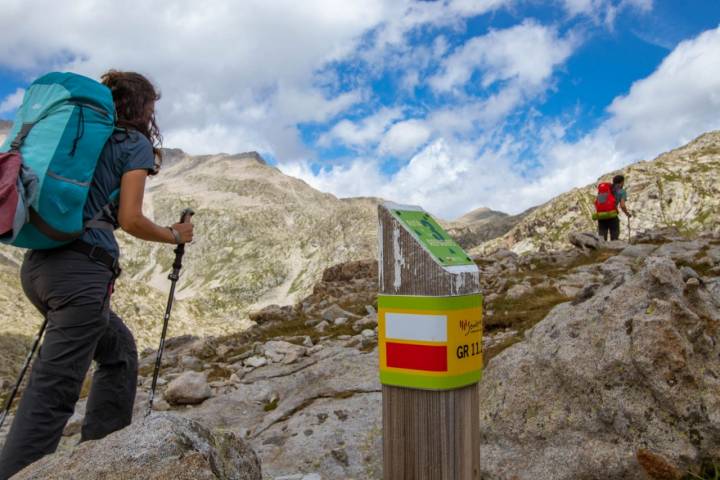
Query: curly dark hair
{"type": "Point", "coordinates": [135, 97]}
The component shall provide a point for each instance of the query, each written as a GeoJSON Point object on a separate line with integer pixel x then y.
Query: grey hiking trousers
{"type": "Point", "coordinates": [73, 292]}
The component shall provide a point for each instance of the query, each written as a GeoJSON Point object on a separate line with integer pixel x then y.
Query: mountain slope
{"type": "Point", "coordinates": [678, 189]}
{"type": "Point", "coordinates": [261, 237]}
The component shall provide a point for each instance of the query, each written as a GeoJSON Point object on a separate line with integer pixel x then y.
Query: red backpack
{"type": "Point", "coordinates": [605, 201]}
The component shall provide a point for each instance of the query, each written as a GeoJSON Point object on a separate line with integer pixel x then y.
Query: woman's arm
{"type": "Point", "coordinates": [132, 220]}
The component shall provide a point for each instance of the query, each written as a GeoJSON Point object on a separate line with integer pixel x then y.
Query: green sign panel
{"type": "Point", "coordinates": [433, 237]}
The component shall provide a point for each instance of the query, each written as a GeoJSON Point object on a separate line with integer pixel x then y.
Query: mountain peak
{"type": "Point", "coordinates": [252, 155]}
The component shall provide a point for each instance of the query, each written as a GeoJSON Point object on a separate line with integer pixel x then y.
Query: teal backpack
{"type": "Point", "coordinates": [48, 160]}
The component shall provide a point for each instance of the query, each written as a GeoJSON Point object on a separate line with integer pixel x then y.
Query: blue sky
{"type": "Point", "coordinates": [452, 104]}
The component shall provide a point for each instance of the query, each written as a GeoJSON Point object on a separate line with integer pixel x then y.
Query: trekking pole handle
{"type": "Point", "coordinates": [186, 215]}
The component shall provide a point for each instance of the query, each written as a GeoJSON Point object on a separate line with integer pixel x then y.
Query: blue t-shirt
{"type": "Point", "coordinates": [123, 152]}
{"type": "Point", "coordinates": [620, 194]}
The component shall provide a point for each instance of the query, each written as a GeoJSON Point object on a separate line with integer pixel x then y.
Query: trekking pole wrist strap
{"type": "Point", "coordinates": [176, 235]}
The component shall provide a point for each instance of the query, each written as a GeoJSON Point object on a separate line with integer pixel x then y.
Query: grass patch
{"type": "Point", "coordinates": [271, 405]}
{"type": "Point", "coordinates": [523, 312]}
{"type": "Point", "coordinates": [542, 268]}
{"type": "Point", "coordinates": [295, 327]}
{"type": "Point", "coordinates": [703, 269]}
{"type": "Point", "coordinates": [495, 350]}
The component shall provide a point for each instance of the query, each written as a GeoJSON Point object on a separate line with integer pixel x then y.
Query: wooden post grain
{"type": "Point", "coordinates": [427, 435]}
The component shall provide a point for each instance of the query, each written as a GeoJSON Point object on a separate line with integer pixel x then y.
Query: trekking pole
{"type": "Point", "coordinates": [629, 231]}
{"type": "Point", "coordinates": [10, 399]}
{"type": "Point", "coordinates": [174, 276]}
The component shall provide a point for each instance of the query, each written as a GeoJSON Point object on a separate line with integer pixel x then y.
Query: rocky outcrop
{"type": "Point", "coordinates": [161, 447]}
{"type": "Point", "coordinates": [678, 189]}
{"type": "Point", "coordinates": [631, 372]}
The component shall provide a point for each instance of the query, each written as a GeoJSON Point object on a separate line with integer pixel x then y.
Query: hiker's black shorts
{"type": "Point", "coordinates": [73, 292]}
{"type": "Point", "coordinates": [611, 226]}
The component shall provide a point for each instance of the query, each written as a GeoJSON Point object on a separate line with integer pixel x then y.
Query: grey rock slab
{"type": "Point", "coordinates": [584, 240]}
{"type": "Point", "coordinates": [336, 378]}
{"type": "Point", "coordinates": [367, 333]}
{"type": "Point", "coordinates": [318, 440]}
{"type": "Point", "coordinates": [255, 361]}
{"type": "Point", "coordinates": [322, 326]}
{"type": "Point", "coordinates": [680, 251]}
{"type": "Point", "coordinates": [634, 366]}
{"type": "Point", "coordinates": [615, 245]}
{"type": "Point", "coordinates": [519, 290]}
{"type": "Point", "coordinates": [688, 273]}
{"type": "Point", "coordinates": [300, 476]}
{"type": "Point", "coordinates": [639, 251]}
{"type": "Point", "coordinates": [188, 362]}
{"type": "Point", "coordinates": [616, 266]}
{"type": "Point", "coordinates": [334, 312]}
{"type": "Point", "coordinates": [162, 447]}
{"type": "Point", "coordinates": [714, 254]}
{"type": "Point", "coordinates": [190, 388]}
{"type": "Point", "coordinates": [277, 351]}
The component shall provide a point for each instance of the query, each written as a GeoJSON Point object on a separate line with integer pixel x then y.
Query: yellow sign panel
{"type": "Point", "coordinates": [432, 343]}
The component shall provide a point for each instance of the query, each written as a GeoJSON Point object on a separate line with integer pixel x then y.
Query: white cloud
{"type": "Point", "coordinates": [364, 133]}
{"type": "Point", "coordinates": [360, 178]}
{"type": "Point", "coordinates": [250, 69]}
{"type": "Point", "coordinates": [254, 56]}
{"type": "Point", "coordinates": [526, 53]}
{"type": "Point", "coordinates": [405, 137]}
{"type": "Point", "coordinates": [12, 101]}
{"type": "Point", "coordinates": [605, 11]}
{"type": "Point", "coordinates": [476, 7]}
{"type": "Point", "coordinates": [675, 103]}
{"type": "Point", "coordinates": [242, 76]}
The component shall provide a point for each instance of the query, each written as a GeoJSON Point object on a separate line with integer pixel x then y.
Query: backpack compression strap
{"type": "Point", "coordinates": [106, 217]}
{"type": "Point", "coordinates": [21, 135]}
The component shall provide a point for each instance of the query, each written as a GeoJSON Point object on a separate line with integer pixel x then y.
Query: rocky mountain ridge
{"type": "Point", "coordinates": [261, 237]}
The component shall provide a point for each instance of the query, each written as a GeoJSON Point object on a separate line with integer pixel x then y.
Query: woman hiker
{"type": "Point", "coordinates": [72, 290]}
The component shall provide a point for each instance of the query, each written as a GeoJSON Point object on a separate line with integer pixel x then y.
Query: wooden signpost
{"type": "Point", "coordinates": [430, 331]}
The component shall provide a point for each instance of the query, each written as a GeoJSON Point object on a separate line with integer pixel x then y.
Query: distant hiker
{"type": "Point", "coordinates": [71, 286]}
{"type": "Point", "coordinates": [609, 198]}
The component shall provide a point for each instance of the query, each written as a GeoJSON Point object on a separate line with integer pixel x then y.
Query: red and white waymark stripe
{"type": "Point", "coordinates": [427, 335]}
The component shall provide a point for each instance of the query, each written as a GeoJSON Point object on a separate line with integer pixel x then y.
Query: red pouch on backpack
{"type": "Point", "coordinates": [10, 163]}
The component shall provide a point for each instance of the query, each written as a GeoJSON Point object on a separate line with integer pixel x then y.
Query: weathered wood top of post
{"type": "Point", "coordinates": [408, 268]}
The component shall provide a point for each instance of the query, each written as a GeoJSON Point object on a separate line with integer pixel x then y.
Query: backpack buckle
{"type": "Point", "coordinates": [95, 254]}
